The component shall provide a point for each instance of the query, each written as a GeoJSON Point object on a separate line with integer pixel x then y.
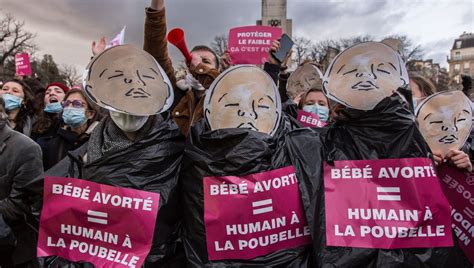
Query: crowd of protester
{"type": "Point", "coordinates": [58, 130]}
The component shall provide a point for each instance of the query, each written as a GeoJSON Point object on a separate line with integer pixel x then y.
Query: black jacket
{"type": "Point", "coordinates": [150, 164]}
{"type": "Point", "coordinates": [55, 147]}
{"type": "Point", "coordinates": [20, 163]}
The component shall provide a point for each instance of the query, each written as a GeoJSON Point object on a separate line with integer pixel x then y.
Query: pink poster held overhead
{"type": "Point", "coordinates": [387, 204]}
{"type": "Point", "coordinates": [459, 189]}
{"type": "Point", "coordinates": [308, 119]}
{"type": "Point", "coordinates": [101, 224]}
{"type": "Point", "coordinates": [251, 44]}
{"type": "Point", "coordinates": [253, 215]}
{"type": "Point", "coordinates": [22, 64]}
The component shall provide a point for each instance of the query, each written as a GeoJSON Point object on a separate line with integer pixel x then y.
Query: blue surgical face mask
{"type": "Point", "coordinates": [53, 108]}
{"type": "Point", "coordinates": [74, 117]}
{"type": "Point", "coordinates": [321, 111]}
{"type": "Point", "coordinates": [417, 100]}
{"type": "Point", "coordinates": [12, 102]}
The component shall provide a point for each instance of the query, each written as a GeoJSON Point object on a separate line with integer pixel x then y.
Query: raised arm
{"type": "Point", "coordinates": [155, 37]}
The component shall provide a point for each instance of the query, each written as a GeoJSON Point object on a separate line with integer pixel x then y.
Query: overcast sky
{"type": "Point", "coordinates": [65, 28]}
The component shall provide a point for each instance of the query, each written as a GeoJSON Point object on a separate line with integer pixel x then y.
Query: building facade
{"type": "Point", "coordinates": [461, 59]}
{"type": "Point", "coordinates": [433, 71]}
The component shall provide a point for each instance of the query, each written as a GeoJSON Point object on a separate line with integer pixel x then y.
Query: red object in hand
{"type": "Point", "coordinates": [176, 37]}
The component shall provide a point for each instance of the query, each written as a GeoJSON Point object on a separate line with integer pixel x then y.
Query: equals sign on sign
{"type": "Point", "coordinates": [97, 217]}
{"type": "Point", "coordinates": [388, 193]}
{"type": "Point", "coordinates": [263, 206]}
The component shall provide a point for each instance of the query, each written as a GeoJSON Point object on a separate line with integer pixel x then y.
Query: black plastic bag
{"type": "Point", "coordinates": [226, 152]}
{"type": "Point", "coordinates": [387, 131]}
{"type": "Point", "coordinates": [150, 164]}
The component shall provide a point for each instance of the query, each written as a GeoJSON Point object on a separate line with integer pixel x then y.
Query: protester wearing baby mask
{"type": "Point", "coordinates": [236, 101]}
{"type": "Point", "coordinates": [133, 93]}
{"type": "Point", "coordinates": [137, 146]}
{"type": "Point", "coordinates": [241, 140]}
{"type": "Point", "coordinates": [373, 128]}
{"type": "Point", "coordinates": [445, 120]}
{"type": "Point", "coordinates": [362, 76]}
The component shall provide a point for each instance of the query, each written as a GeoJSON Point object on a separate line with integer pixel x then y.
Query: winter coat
{"type": "Point", "coordinates": [20, 163]}
{"type": "Point", "coordinates": [55, 147]}
{"type": "Point", "coordinates": [187, 107]}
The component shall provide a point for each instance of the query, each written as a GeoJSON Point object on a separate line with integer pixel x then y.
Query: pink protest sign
{"type": "Point", "coordinates": [104, 225]}
{"type": "Point", "coordinates": [388, 204]}
{"type": "Point", "coordinates": [253, 215]}
{"type": "Point", "coordinates": [459, 189]}
{"type": "Point", "coordinates": [250, 44]}
{"type": "Point", "coordinates": [308, 119]}
{"type": "Point", "coordinates": [22, 64]}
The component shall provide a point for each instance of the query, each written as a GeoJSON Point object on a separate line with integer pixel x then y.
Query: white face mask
{"type": "Point", "coordinates": [127, 122]}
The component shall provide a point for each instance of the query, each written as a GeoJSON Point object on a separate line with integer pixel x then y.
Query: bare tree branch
{"type": "Point", "coordinates": [14, 38]}
{"type": "Point", "coordinates": [301, 48]}
{"type": "Point", "coordinates": [220, 44]}
{"type": "Point", "coordinates": [70, 75]}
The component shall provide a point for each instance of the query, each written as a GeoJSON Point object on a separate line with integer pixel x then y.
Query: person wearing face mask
{"type": "Point", "coordinates": [316, 103]}
{"type": "Point", "coordinates": [80, 117]}
{"type": "Point", "coordinates": [18, 100]}
{"type": "Point", "coordinates": [49, 119]}
{"type": "Point", "coordinates": [137, 145]}
{"type": "Point", "coordinates": [20, 163]}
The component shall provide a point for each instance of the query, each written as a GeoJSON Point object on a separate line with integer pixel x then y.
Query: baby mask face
{"type": "Point", "coordinates": [128, 80]}
{"type": "Point", "coordinates": [304, 78]}
{"type": "Point", "coordinates": [445, 120]}
{"type": "Point", "coordinates": [243, 97]}
{"type": "Point", "coordinates": [363, 75]}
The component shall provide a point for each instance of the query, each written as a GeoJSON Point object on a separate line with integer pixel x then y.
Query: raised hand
{"type": "Point", "coordinates": [98, 48]}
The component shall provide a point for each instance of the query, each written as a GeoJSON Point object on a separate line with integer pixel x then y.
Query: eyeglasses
{"type": "Point", "coordinates": [75, 103]}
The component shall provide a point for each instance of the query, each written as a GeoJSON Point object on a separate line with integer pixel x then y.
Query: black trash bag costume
{"type": "Point", "coordinates": [387, 131]}
{"type": "Point", "coordinates": [152, 164]}
{"type": "Point", "coordinates": [151, 160]}
{"type": "Point", "coordinates": [373, 122]}
{"type": "Point", "coordinates": [217, 146]}
{"type": "Point", "coordinates": [447, 107]}
{"type": "Point", "coordinates": [229, 152]}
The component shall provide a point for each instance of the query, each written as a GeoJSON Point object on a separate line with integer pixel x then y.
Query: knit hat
{"type": "Point", "coordinates": [57, 84]}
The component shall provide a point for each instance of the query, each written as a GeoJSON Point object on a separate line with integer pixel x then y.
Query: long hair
{"type": "Point", "coordinates": [44, 121]}
{"type": "Point", "coordinates": [425, 85]}
{"type": "Point", "coordinates": [26, 109]}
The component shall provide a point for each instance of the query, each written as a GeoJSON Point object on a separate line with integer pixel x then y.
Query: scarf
{"type": "Point", "coordinates": [107, 138]}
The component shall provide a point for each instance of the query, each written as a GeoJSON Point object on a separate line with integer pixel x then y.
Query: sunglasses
{"type": "Point", "coordinates": [74, 103]}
